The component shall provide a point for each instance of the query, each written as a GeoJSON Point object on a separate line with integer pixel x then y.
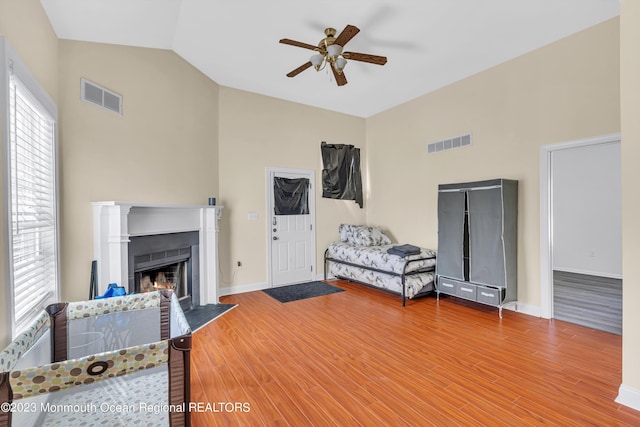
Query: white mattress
{"type": "Point", "coordinates": [136, 399]}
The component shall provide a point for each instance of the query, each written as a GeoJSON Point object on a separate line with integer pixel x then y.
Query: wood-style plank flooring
{"type": "Point", "coordinates": [359, 358]}
{"type": "Point", "coordinates": [592, 301]}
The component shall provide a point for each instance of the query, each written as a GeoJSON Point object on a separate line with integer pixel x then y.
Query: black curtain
{"type": "Point", "coordinates": [341, 174]}
{"type": "Point", "coordinates": [291, 196]}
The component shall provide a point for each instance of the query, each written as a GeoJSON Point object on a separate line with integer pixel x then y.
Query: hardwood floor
{"type": "Point", "coordinates": [592, 301]}
{"type": "Point", "coordinates": [359, 358]}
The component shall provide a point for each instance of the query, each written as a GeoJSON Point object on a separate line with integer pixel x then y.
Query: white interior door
{"type": "Point", "coordinates": [291, 233]}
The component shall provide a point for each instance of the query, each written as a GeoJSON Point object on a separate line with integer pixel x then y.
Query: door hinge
{"type": "Point", "coordinates": [310, 227]}
{"type": "Point", "coordinates": [311, 267]}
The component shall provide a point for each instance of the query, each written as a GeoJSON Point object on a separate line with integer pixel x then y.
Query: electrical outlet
{"type": "Point", "coordinates": [239, 264]}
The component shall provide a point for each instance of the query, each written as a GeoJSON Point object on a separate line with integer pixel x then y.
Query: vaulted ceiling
{"type": "Point", "coordinates": [428, 43]}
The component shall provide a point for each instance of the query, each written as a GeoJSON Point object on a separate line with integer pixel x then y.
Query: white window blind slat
{"type": "Point", "coordinates": [33, 205]}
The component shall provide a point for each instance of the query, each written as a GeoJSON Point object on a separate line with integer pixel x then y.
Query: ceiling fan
{"type": "Point", "coordinates": [329, 53]}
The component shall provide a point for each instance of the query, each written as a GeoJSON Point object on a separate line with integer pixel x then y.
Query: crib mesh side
{"type": "Point", "coordinates": [89, 327]}
{"type": "Point", "coordinates": [113, 331]}
{"type": "Point", "coordinates": [178, 323]}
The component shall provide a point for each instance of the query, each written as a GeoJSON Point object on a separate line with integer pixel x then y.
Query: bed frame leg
{"type": "Point", "coordinates": [404, 292]}
{"type": "Point", "coordinates": [325, 263]}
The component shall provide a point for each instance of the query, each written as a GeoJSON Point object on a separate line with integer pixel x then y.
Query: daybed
{"type": "Point", "coordinates": [362, 255]}
{"type": "Point", "coordinates": [116, 361]}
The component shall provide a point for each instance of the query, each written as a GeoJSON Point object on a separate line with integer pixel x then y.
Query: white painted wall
{"type": "Point", "coordinates": [587, 210]}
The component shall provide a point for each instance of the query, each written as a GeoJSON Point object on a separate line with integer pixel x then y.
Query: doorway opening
{"type": "Point", "coordinates": [581, 233]}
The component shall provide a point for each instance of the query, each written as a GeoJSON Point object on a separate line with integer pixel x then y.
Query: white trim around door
{"type": "Point", "coordinates": [546, 225]}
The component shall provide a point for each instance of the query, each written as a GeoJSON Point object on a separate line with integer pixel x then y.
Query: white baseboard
{"type": "Point", "coordinates": [242, 288]}
{"type": "Point", "coordinates": [530, 310]}
{"type": "Point", "coordinates": [628, 396]}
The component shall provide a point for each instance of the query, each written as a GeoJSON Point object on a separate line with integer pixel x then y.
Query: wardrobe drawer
{"type": "Point", "coordinates": [447, 286]}
{"type": "Point", "coordinates": [467, 291]}
{"type": "Point", "coordinates": [489, 296]}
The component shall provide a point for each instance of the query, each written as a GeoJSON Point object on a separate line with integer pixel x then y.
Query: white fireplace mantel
{"type": "Point", "coordinates": [115, 222]}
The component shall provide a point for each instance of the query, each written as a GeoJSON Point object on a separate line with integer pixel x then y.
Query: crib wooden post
{"type": "Point", "coordinates": [165, 308]}
{"type": "Point", "coordinates": [6, 396]}
{"type": "Point", "coordinates": [179, 379]}
{"type": "Point", "coordinates": [59, 334]}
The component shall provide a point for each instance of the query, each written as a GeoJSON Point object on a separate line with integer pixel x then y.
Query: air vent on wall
{"type": "Point", "coordinates": [98, 95]}
{"type": "Point", "coordinates": [449, 144]}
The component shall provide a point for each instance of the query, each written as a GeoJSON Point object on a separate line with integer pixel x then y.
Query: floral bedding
{"type": "Point", "coordinates": [367, 247]}
{"type": "Point", "coordinates": [377, 257]}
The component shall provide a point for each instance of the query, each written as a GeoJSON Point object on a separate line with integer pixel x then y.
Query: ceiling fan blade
{"type": "Point", "coordinates": [365, 57]}
{"type": "Point", "coordinates": [299, 69]}
{"type": "Point", "coordinates": [347, 34]}
{"type": "Point", "coordinates": [298, 44]}
{"type": "Point", "coordinates": [341, 80]}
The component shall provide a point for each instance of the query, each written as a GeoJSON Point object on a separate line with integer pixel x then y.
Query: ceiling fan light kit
{"type": "Point", "coordinates": [329, 52]}
{"type": "Point", "coordinates": [331, 57]}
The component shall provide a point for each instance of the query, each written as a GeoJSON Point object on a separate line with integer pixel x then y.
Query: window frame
{"type": "Point", "coordinates": [10, 63]}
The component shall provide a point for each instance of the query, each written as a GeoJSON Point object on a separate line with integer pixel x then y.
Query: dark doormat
{"type": "Point", "coordinates": [200, 315]}
{"type": "Point", "coordinates": [301, 291]}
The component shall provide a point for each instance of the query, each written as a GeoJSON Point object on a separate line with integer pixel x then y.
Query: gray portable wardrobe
{"type": "Point", "coordinates": [477, 241]}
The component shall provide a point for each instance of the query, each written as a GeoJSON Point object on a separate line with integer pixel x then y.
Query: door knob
{"type": "Point", "coordinates": [275, 237]}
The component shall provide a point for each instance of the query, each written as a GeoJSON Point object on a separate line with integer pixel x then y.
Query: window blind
{"type": "Point", "coordinates": [32, 161]}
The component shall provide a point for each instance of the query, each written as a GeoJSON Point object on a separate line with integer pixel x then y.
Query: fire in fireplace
{"type": "Point", "coordinates": [173, 276]}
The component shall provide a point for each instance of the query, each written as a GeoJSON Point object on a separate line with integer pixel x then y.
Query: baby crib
{"type": "Point", "coordinates": [115, 361]}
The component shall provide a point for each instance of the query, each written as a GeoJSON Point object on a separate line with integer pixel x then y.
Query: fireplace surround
{"type": "Point", "coordinates": [128, 239]}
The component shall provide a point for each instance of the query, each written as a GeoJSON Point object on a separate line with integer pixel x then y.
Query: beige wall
{"type": "Point", "coordinates": [163, 149]}
{"type": "Point", "coordinates": [630, 114]}
{"type": "Point", "coordinates": [24, 24]}
{"type": "Point", "coordinates": [561, 92]}
{"type": "Point", "coordinates": [257, 132]}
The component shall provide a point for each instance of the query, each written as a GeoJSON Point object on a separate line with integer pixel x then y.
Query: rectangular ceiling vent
{"type": "Point", "coordinates": [449, 144]}
{"type": "Point", "coordinates": [98, 95]}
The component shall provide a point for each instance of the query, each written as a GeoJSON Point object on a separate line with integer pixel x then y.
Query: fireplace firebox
{"type": "Point", "coordinates": [166, 261]}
